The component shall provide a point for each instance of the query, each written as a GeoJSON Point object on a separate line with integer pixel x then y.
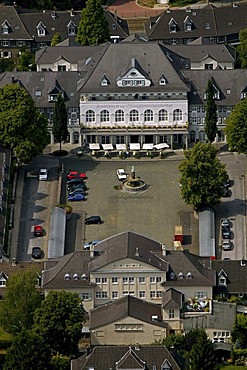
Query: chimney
{"type": "Point", "coordinates": [72, 14]}
{"type": "Point", "coordinates": [163, 248]}
{"type": "Point", "coordinates": [91, 251]}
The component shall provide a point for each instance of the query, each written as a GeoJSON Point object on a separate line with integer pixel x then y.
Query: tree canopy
{"type": "Point", "coordinates": [25, 61]}
{"type": "Point", "coordinates": [242, 48]}
{"type": "Point", "coordinates": [239, 331]}
{"type": "Point", "coordinates": [22, 127]}
{"type": "Point", "coordinates": [211, 114]}
{"type": "Point", "coordinates": [202, 176]}
{"type": "Point", "coordinates": [59, 127]}
{"type": "Point", "coordinates": [57, 38]}
{"type": "Point", "coordinates": [93, 28]}
{"type": "Point", "coordinates": [20, 301]}
{"type": "Point", "coordinates": [28, 351]}
{"type": "Point", "coordinates": [236, 128]}
{"type": "Point", "coordinates": [59, 321]}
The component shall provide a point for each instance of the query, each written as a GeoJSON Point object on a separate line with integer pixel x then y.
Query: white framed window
{"type": "Point", "coordinates": [131, 292]}
{"type": "Point", "coordinates": [114, 280]}
{"type": "Point", "coordinates": [86, 296]}
{"type": "Point", "coordinates": [158, 294]}
{"type": "Point", "coordinates": [152, 294]}
{"type": "Point", "coordinates": [98, 295]}
{"type": "Point", "coordinates": [171, 314]}
{"type": "Point", "coordinates": [90, 116]}
{"type": "Point", "coordinates": [201, 295]}
{"type": "Point", "coordinates": [71, 30]}
{"type": "Point", "coordinates": [142, 280]}
{"type": "Point", "coordinates": [41, 32]}
{"type": "Point", "coordinates": [6, 43]}
{"type": "Point", "coordinates": [98, 280]}
{"type": "Point", "coordinates": [142, 294]}
{"type": "Point", "coordinates": [125, 280]}
{"type": "Point", "coordinates": [104, 280]}
{"type": "Point", "coordinates": [38, 93]}
{"type": "Point", "coordinates": [134, 115]}
{"type": "Point", "coordinates": [163, 115]}
{"type": "Point", "coordinates": [114, 295]}
{"type": "Point", "coordinates": [158, 279]}
{"type": "Point", "coordinates": [119, 116]}
{"type": "Point", "coordinates": [152, 280]}
{"type": "Point", "coordinates": [103, 295]}
{"type": "Point", "coordinates": [105, 139]}
{"type": "Point", "coordinates": [131, 280]}
{"type": "Point", "coordinates": [177, 115]}
{"type": "Point", "coordinates": [125, 292]}
{"type": "Point", "coordinates": [104, 116]}
{"type": "Point", "coordinates": [148, 115]}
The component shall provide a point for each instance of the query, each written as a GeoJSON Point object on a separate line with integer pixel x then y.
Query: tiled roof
{"type": "Point", "coordinates": [186, 269]}
{"type": "Point", "coordinates": [124, 307]}
{"type": "Point", "coordinates": [108, 357]}
{"type": "Point", "coordinates": [236, 276]}
{"type": "Point", "coordinates": [208, 21]}
{"type": "Point", "coordinates": [171, 299]}
{"type": "Point", "coordinates": [128, 245]}
{"type": "Point", "coordinates": [151, 57]}
{"type": "Point", "coordinates": [230, 87]}
{"type": "Point", "coordinates": [17, 30]}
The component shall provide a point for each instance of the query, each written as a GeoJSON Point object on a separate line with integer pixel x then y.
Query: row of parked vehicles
{"type": "Point", "coordinates": [226, 234]}
{"type": "Point", "coordinates": [76, 186]}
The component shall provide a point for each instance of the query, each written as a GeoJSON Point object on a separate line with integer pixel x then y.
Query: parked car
{"type": "Point", "coordinates": [38, 230]}
{"type": "Point", "coordinates": [225, 192]}
{"type": "Point", "coordinates": [93, 220]}
{"type": "Point", "coordinates": [226, 244]}
{"type": "Point", "coordinates": [76, 175]}
{"type": "Point", "coordinates": [88, 245]}
{"type": "Point", "coordinates": [76, 186]}
{"type": "Point", "coordinates": [77, 191]}
{"type": "Point", "coordinates": [75, 180]}
{"type": "Point", "coordinates": [225, 222]}
{"type": "Point", "coordinates": [76, 197]}
{"type": "Point", "coordinates": [36, 252]}
{"type": "Point", "coordinates": [121, 174]}
{"type": "Point", "coordinates": [43, 174]}
{"type": "Point", "coordinates": [226, 233]}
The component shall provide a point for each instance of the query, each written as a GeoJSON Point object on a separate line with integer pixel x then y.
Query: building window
{"type": "Point", "coordinates": [158, 294]}
{"type": "Point", "coordinates": [5, 43]}
{"type": "Point", "coordinates": [209, 66]}
{"type": "Point", "coordinates": [98, 280]}
{"type": "Point", "coordinates": [71, 30]}
{"type": "Point", "coordinates": [119, 139]}
{"type": "Point", "coordinates": [104, 295]}
{"type": "Point", "coordinates": [86, 296]}
{"type": "Point", "coordinates": [158, 279]}
{"type": "Point", "coordinates": [131, 280]}
{"type": "Point", "coordinates": [142, 294]}
{"type": "Point", "coordinates": [98, 295]}
{"type": "Point", "coordinates": [152, 293]}
{"type": "Point", "coordinates": [134, 115]}
{"type": "Point", "coordinates": [142, 280]}
{"type": "Point", "coordinates": [201, 295]}
{"type": "Point", "coordinates": [222, 281]}
{"type": "Point", "coordinates": [105, 139]}
{"type": "Point", "coordinates": [125, 280]}
{"type": "Point", "coordinates": [38, 93]}
{"type": "Point", "coordinates": [104, 280]}
{"type": "Point", "coordinates": [119, 116]}
{"type": "Point", "coordinates": [104, 116]}
{"type": "Point", "coordinates": [114, 295]}
{"type": "Point", "coordinates": [41, 32]}
{"type": "Point", "coordinates": [90, 116]}
{"type": "Point", "coordinates": [114, 280]}
{"type": "Point", "coordinates": [148, 115]}
{"type": "Point", "coordinates": [171, 314]}
{"type": "Point", "coordinates": [177, 115]}
{"type": "Point", "coordinates": [125, 292]}
{"type": "Point", "coordinates": [163, 115]}
{"type": "Point", "coordinates": [152, 280]}
{"type": "Point", "coordinates": [61, 68]}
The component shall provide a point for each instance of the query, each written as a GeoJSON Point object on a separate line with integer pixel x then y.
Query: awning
{"type": "Point", "coordinates": [135, 146]}
{"type": "Point", "coordinates": [94, 146]}
{"type": "Point", "coordinates": [161, 146]}
{"type": "Point", "coordinates": [107, 146]}
{"type": "Point", "coordinates": [121, 146]}
{"type": "Point", "coordinates": [148, 146]}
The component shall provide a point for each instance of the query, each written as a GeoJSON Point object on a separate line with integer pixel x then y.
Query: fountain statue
{"type": "Point", "coordinates": [133, 183]}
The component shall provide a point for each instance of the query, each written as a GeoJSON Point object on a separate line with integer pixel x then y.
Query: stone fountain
{"type": "Point", "coordinates": [133, 184]}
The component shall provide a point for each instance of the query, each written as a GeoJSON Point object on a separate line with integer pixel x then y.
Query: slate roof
{"type": "Point", "coordinates": [236, 82]}
{"type": "Point", "coordinates": [5, 161]}
{"type": "Point", "coordinates": [151, 57]}
{"type": "Point", "coordinates": [45, 82]}
{"type": "Point", "coordinates": [236, 276]}
{"type": "Point", "coordinates": [17, 29]}
{"type": "Point", "coordinates": [208, 21]}
{"type": "Point", "coordinates": [128, 245]}
{"type": "Point", "coordinates": [117, 26]}
{"type": "Point", "coordinates": [192, 269]}
{"type": "Point", "coordinates": [171, 299]}
{"type": "Point", "coordinates": [197, 52]}
{"type": "Point", "coordinates": [71, 264]}
{"type": "Point", "coordinates": [121, 308]}
{"type": "Point", "coordinates": [111, 357]}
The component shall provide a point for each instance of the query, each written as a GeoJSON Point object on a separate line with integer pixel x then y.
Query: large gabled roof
{"type": "Point", "coordinates": [108, 357]}
{"type": "Point", "coordinates": [114, 58]}
{"type": "Point", "coordinates": [17, 30]}
{"type": "Point", "coordinates": [128, 245]}
{"type": "Point", "coordinates": [125, 307]}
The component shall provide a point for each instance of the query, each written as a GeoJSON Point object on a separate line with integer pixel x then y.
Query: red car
{"type": "Point", "coordinates": [75, 175]}
{"type": "Point", "coordinates": [38, 230]}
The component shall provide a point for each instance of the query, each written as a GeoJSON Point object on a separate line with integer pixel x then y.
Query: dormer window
{"type": "Point", "coordinates": [5, 27]}
{"type": "Point", "coordinates": [187, 24]}
{"type": "Point", "coordinates": [162, 80]}
{"type": "Point", "coordinates": [172, 275]}
{"type": "Point", "coordinates": [172, 26]}
{"type": "Point", "coordinates": [67, 276]}
{"type": "Point", "coordinates": [76, 277]}
{"type": "Point", "coordinates": [207, 26]}
{"type": "Point", "coordinates": [71, 28]}
{"type": "Point", "coordinates": [166, 365]}
{"type": "Point", "coordinates": [222, 280]}
{"type": "Point", "coordinates": [104, 81]}
{"type": "Point", "coordinates": [41, 29]}
{"type": "Point", "coordinates": [114, 26]}
{"type": "Point", "coordinates": [181, 275]}
{"type": "Point", "coordinates": [189, 275]}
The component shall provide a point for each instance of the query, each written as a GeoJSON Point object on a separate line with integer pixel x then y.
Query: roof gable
{"type": "Point", "coordinates": [130, 360]}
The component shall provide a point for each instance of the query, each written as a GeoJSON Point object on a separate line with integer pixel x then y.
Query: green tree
{"type": "Point", "coordinates": [59, 128]}
{"type": "Point", "coordinates": [22, 127]}
{"type": "Point", "coordinates": [211, 113]}
{"type": "Point", "coordinates": [202, 176]}
{"type": "Point", "coordinates": [57, 38]}
{"type": "Point", "coordinates": [236, 128]}
{"type": "Point", "coordinates": [93, 28]}
{"type": "Point", "coordinates": [242, 49]}
{"type": "Point", "coordinates": [20, 301]}
{"type": "Point", "coordinates": [25, 61]}
{"type": "Point", "coordinates": [6, 65]}
{"type": "Point", "coordinates": [239, 331]}
{"type": "Point", "coordinates": [202, 353]}
{"type": "Point", "coordinates": [60, 363]}
{"type": "Point", "coordinates": [59, 321]}
{"type": "Point", "coordinates": [28, 351]}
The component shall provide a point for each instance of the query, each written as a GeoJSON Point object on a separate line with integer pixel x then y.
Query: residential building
{"type": "Point", "coordinates": [136, 357]}
{"type": "Point", "coordinates": [182, 26]}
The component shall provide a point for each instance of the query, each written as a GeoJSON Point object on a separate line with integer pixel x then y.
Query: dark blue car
{"type": "Point", "coordinates": [76, 197]}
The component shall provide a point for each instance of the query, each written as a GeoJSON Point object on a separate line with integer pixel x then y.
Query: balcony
{"type": "Point", "coordinates": [197, 306]}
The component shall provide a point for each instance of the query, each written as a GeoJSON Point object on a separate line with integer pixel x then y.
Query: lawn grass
{"type": "Point", "coordinates": [233, 367]}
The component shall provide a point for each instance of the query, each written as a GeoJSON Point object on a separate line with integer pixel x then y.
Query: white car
{"type": "Point", "coordinates": [225, 222]}
{"type": "Point", "coordinates": [226, 244]}
{"type": "Point", "coordinates": [43, 174]}
{"type": "Point", "coordinates": [121, 174]}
